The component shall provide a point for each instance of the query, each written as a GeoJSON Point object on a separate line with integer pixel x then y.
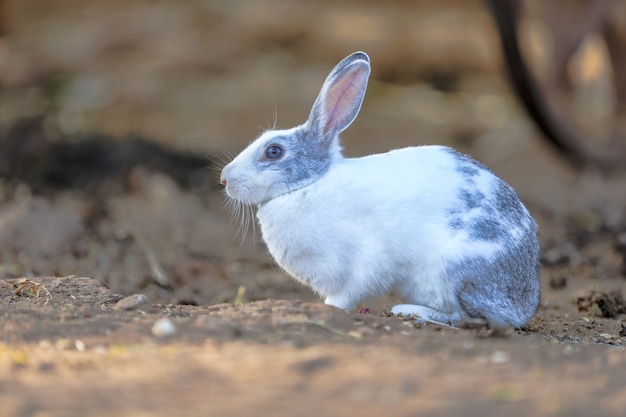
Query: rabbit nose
{"type": "Point", "coordinates": [224, 175]}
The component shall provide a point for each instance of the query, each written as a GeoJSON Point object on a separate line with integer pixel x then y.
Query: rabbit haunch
{"type": "Point", "coordinates": [427, 223]}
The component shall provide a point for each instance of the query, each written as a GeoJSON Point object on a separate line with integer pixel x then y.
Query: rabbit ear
{"type": "Point", "coordinates": [341, 96]}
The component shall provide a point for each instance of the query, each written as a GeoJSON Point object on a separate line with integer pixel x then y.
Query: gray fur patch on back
{"type": "Point", "coordinates": [457, 223]}
{"type": "Point", "coordinates": [505, 290]}
{"type": "Point", "coordinates": [468, 170]}
{"type": "Point", "coordinates": [485, 217]}
{"type": "Point", "coordinates": [467, 165]}
{"type": "Point", "coordinates": [486, 228]}
{"type": "Point", "coordinates": [509, 204]}
{"type": "Point", "coordinates": [473, 198]}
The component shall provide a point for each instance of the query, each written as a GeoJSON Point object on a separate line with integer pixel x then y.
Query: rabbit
{"type": "Point", "coordinates": [429, 224]}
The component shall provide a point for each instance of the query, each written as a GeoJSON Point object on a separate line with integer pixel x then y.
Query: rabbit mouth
{"type": "Point", "coordinates": [245, 194]}
{"type": "Point", "coordinates": [240, 196]}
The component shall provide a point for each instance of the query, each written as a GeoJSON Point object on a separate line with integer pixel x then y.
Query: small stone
{"type": "Point", "coordinates": [552, 256]}
{"type": "Point", "coordinates": [558, 283]}
{"type": "Point", "coordinates": [79, 345]}
{"type": "Point", "coordinates": [131, 302]}
{"type": "Point", "coordinates": [500, 357]}
{"type": "Point", "coordinates": [163, 328]}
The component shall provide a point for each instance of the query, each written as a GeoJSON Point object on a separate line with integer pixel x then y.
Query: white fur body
{"type": "Point", "coordinates": [373, 225]}
{"type": "Point", "coordinates": [429, 224]}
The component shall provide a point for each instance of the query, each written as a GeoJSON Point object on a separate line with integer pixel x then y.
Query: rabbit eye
{"type": "Point", "coordinates": [273, 152]}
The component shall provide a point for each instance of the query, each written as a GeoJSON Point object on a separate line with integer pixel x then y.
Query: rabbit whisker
{"type": "Point", "coordinates": [243, 213]}
{"type": "Point", "coordinates": [275, 114]}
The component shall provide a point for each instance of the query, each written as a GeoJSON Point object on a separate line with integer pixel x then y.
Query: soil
{"type": "Point", "coordinates": [70, 352]}
{"type": "Point", "coordinates": [126, 289]}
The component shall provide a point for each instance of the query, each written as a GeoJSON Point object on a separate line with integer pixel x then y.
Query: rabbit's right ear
{"type": "Point", "coordinates": [340, 98]}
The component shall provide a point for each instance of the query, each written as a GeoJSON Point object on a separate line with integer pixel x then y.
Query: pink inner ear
{"type": "Point", "coordinates": [341, 97]}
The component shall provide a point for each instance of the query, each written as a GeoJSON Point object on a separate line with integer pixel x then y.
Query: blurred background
{"type": "Point", "coordinates": [116, 116]}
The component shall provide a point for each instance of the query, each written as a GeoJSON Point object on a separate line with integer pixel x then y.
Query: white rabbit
{"type": "Point", "coordinates": [427, 223]}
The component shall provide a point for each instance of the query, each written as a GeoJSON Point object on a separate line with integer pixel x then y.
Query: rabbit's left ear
{"type": "Point", "coordinates": [341, 96]}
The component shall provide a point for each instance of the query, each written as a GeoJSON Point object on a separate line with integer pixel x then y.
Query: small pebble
{"type": "Point", "coordinates": [163, 328]}
{"type": "Point", "coordinates": [500, 357]}
{"type": "Point", "coordinates": [79, 345]}
{"type": "Point", "coordinates": [552, 256]}
{"type": "Point", "coordinates": [558, 283]}
{"type": "Point", "coordinates": [131, 302]}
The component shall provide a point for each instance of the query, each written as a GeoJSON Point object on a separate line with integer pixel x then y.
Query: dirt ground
{"type": "Point", "coordinates": [126, 289]}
